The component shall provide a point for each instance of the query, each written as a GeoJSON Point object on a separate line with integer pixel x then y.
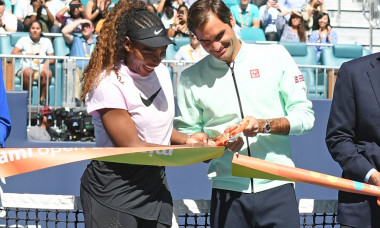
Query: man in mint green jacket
{"type": "Point", "coordinates": [241, 82]}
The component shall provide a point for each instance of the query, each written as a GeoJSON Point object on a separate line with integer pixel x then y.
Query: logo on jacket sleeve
{"type": "Point", "coordinates": [299, 78]}
{"type": "Point", "coordinates": [254, 73]}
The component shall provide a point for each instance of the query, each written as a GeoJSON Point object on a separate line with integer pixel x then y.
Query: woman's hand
{"type": "Point", "coordinates": [199, 137]}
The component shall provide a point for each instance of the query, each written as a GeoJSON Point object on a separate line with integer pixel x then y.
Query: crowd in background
{"type": "Point", "coordinates": [281, 20]}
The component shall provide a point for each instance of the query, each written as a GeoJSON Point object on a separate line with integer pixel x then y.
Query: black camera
{"type": "Point", "coordinates": [75, 126]}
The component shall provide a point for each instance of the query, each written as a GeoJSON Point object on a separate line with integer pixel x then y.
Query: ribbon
{"type": "Point", "coordinates": [244, 166]}
{"type": "Point", "coordinates": [14, 161]}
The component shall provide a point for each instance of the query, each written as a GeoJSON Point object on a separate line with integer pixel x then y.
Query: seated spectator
{"type": "Point", "coordinates": [96, 10]}
{"type": "Point", "coordinates": [246, 14]}
{"type": "Point", "coordinates": [23, 9]}
{"type": "Point", "coordinates": [75, 10]}
{"type": "Point", "coordinates": [167, 13]}
{"type": "Point", "coordinates": [179, 27]}
{"type": "Point", "coordinates": [310, 13]}
{"type": "Point", "coordinates": [151, 8]}
{"type": "Point", "coordinates": [191, 52]}
{"type": "Point", "coordinates": [8, 21]}
{"type": "Point", "coordinates": [44, 131]}
{"type": "Point", "coordinates": [292, 30]}
{"type": "Point", "coordinates": [80, 46]}
{"type": "Point", "coordinates": [31, 69]}
{"type": "Point", "coordinates": [324, 33]}
{"type": "Point", "coordinates": [259, 3]}
{"type": "Point", "coordinates": [268, 16]}
{"type": "Point", "coordinates": [292, 4]}
{"type": "Point", "coordinates": [47, 21]}
{"type": "Point", "coordinates": [54, 6]}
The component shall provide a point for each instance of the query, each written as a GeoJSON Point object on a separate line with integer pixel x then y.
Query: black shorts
{"type": "Point", "coordinates": [275, 208]}
{"type": "Point", "coordinates": [97, 215]}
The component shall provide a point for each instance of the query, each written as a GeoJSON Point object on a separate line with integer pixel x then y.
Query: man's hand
{"type": "Point", "coordinates": [253, 126]}
{"type": "Point", "coordinates": [374, 179]}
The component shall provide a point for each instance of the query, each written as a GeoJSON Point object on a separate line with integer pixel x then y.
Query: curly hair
{"type": "Point", "coordinates": [123, 19]}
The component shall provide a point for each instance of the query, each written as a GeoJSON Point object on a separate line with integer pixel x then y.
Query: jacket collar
{"type": "Point", "coordinates": [374, 77]}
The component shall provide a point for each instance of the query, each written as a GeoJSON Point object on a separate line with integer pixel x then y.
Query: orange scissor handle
{"type": "Point", "coordinates": [237, 129]}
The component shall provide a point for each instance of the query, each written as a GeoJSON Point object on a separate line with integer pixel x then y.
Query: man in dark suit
{"type": "Point", "coordinates": [353, 137]}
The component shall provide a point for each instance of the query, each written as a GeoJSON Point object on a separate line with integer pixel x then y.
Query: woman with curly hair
{"type": "Point", "coordinates": [129, 94]}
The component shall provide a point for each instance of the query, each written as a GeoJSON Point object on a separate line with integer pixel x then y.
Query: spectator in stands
{"type": "Point", "coordinates": [292, 4]}
{"type": "Point", "coordinates": [76, 12]}
{"type": "Point", "coordinates": [153, 3]}
{"type": "Point", "coordinates": [5, 118]}
{"type": "Point", "coordinates": [167, 10]}
{"type": "Point", "coordinates": [179, 27]}
{"type": "Point", "coordinates": [8, 21]}
{"type": "Point", "coordinates": [32, 69]}
{"type": "Point", "coordinates": [324, 33]}
{"type": "Point", "coordinates": [246, 14]}
{"type": "Point", "coordinates": [47, 21]}
{"type": "Point", "coordinates": [268, 16]}
{"type": "Point", "coordinates": [23, 9]}
{"type": "Point", "coordinates": [80, 46]}
{"type": "Point", "coordinates": [310, 12]}
{"type": "Point", "coordinates": [96, 10]}
{"type": "Point", "coordinates": [8, 6]}
{"type": "Point", "coordinates": [353, 137]}
{"type": "Point", "coordinates": [259, 3]}
{"type": "Point", "coordinates": [54, 7]}
{"type": "Point", "coordinates": [44, 130]}
{"type": "Point", "coordinates": [151, 8]}
{"type": "Point", "coordinates": [293, 30]}
{"type": "Point", "coordinates": [258, 84]}
{"type": "Point", "coordinates": [191, 52]}
{"type": "Point", "coordinates": [127, 89]}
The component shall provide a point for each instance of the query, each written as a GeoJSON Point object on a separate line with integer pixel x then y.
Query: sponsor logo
{"type": "Point", "coordinates": [149, 101]}
{"type": "Point", "coordinates": [158, 152]}
{"type": "Point", "coordinates": [157, 32]}
{"type": "Point", "coordinates": [254, 73]}
{"type": "Point", "coordinates": [299, 78]}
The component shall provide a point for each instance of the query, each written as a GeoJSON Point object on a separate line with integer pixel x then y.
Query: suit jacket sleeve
{"type": "Point", "coordinates": [354, 156]}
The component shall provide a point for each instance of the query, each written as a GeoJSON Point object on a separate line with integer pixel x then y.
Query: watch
{"type": "Point", "coordinates": [267, 127]}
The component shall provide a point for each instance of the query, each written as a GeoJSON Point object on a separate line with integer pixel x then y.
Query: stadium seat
{"type": "Point", "coordinates": [173, 49]}
{"type": "Point", "coordinates": [336, 55]}
{"type": "Point", "coordinates": [306, 55]}
{"type": "Point", "coordinates": [251, 35]}
{"type": "Point", "coordinates": [230, 3]}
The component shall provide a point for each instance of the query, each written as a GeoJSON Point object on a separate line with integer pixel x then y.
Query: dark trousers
{"type": "Point", "coordinates": [273, 208]}
{"type": "Point", "coordinates": [97, 215]}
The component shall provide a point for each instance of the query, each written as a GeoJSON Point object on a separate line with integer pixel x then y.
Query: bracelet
{"type": "Point", "coordinates": [34, 14]}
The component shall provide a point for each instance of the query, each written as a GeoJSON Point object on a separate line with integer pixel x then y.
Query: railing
{"type": "Point", "coordinates": [319, 79]}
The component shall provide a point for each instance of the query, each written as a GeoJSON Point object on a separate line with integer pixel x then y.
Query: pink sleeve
{"type": "Point", "coordinates": [106, 95]}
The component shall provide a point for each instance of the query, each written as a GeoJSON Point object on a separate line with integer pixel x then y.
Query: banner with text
{"type": "Point", "coordinates": [14, 161]}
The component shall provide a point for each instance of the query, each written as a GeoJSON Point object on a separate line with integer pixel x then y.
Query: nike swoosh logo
{"type": "Point", "coordinates": [149, 101]}
{"type": "Point", "coordinates": [157, 32]}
